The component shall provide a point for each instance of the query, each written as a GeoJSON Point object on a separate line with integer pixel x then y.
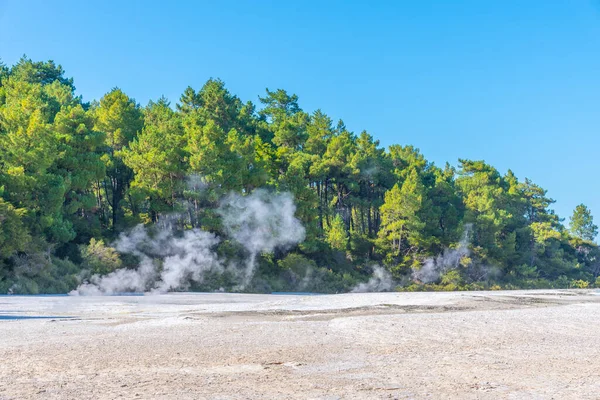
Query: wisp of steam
{"type": "Point", "coordinates": [260, 222]}
{"type": "Point", "coordinates": [433, 268]}
{"type": "Point", "coordinates": [380, 281]}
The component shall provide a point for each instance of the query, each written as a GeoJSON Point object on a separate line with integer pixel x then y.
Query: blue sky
{"type": "Point", "coordinates": [515, 83]}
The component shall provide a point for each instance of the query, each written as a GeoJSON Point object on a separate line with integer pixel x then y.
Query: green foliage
{"type": "Point", "coordinates": [156, 157]}
{"type": "Point", "coordinates": [73, 176]}
{"type": "Point", "coordinates": [41, 72]}
{"type": "Point", "coordinates": [13, 234]}
{"type": "Point", "coordinates": [579, 284]}
{"type": "Point", "coordinates": [336, 234]}
{"type": "Point", "coordinates": [120, 119]}
{"type": "Point", "coordinates": [97, 258]}
{"type": "Point", "coordinates": [296, 263]}
{"type": "Point", "coordinates": [582, 223]}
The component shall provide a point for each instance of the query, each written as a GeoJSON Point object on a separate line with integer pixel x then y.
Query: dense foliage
{"type": "Point", "coordinates": [74, 175]}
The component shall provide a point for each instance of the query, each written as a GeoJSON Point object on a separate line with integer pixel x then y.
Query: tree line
{"type": "Point", "coordinates": [74, 175]}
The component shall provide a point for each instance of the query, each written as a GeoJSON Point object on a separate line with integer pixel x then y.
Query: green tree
{"type": "Point", "coordinates": [288, 121]}
{"type": "Point", "coordinates": [445, 211]}
{"type": "Point", "coordinates": [33, 94]}
{"type": "Point", "coordinates": [41, 72]}
{"type": "Point", "coordinates": [582, 223]}
{"type": "Point", "coordinates": [319, 133]}
{"type": "Point", "coordinates": [99, 258]}
{"type": "Point", "coordinates": [80, 165]}
{"type": "Point", "coordinates": [492, 209]}
{"type": "Point", "coordinates": [157, 158]}
{"type": "Point", "coordinates": [336, 234]}
{"type": "Point", "coordinates": [13, 233]}
{"type": "Point", "coordinates": [120, 118]}
{"type": "Point", "coordinates": [401, 227]}
{"type": "Point", "coordinates": [189, 101]}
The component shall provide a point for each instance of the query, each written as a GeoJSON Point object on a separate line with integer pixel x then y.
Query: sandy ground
{"type": "Point", "coordinates": [470, 345]}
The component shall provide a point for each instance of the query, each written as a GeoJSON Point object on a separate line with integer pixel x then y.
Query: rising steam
{"type": "Point", "coordinates": [433, 268]}
{"type": "Point", "coordinates": [380, 281]}
{"type": "Point", "coordinates": [260, 222]}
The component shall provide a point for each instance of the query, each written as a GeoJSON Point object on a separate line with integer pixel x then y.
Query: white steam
{"type": "Point", "coordinates": [260, 222]}
{"type": "Point", "coordinates": [380, 281]}
{"type": "Point", "coordinates": [433, 268]}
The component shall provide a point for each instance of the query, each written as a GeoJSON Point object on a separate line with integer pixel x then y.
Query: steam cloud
{"type": "Point", "coordinates": [380, 281]}
{"type": "Point", "coordinates": [260, 222]}
{"type": "Point", "coordinates": [433, 268]}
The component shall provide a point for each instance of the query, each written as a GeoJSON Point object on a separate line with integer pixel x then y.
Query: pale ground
{"type": "Point", "coordinates": [469, 345]}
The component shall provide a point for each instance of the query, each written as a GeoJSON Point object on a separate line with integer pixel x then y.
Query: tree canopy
{"type": "Point", "coordinates": [74, 175]}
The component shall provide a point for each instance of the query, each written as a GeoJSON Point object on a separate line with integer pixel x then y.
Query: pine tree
{"type": "Point", "coordinates": [336, 234]}
{"type": "Point", "coordinates": [156, 157]}
{"type": "Point", "coordinates": [120, 118]}
{"type": "Point", "coordinates": [582, 223]}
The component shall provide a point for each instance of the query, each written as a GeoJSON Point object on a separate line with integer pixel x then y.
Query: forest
{"type": "Point", "coordinates": [75, 175]}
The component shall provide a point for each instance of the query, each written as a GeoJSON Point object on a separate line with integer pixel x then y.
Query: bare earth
{"type": "Point", "coordinates": [469, 345]}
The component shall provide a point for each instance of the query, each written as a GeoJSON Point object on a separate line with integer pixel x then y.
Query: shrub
{"type": "Point", "coordinates": [580, 284]}
{"type": "Point", "coordinates": [296, 263]}
{"type": "Point", "coordinates": [99, 258]}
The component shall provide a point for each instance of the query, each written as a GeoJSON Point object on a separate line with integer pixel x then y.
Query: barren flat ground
{"type": "Point", "coordinates": [462, 345]}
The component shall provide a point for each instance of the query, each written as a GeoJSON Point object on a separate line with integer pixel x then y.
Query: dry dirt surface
{"type": "Point", "coordinates": [462, 345]}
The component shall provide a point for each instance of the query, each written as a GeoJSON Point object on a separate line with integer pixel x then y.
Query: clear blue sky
{"type": "Point", "coordinates": [516, 83]}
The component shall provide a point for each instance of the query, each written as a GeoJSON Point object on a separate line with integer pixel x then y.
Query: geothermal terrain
{"type": "Point", "coordinates": [461, 345]}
